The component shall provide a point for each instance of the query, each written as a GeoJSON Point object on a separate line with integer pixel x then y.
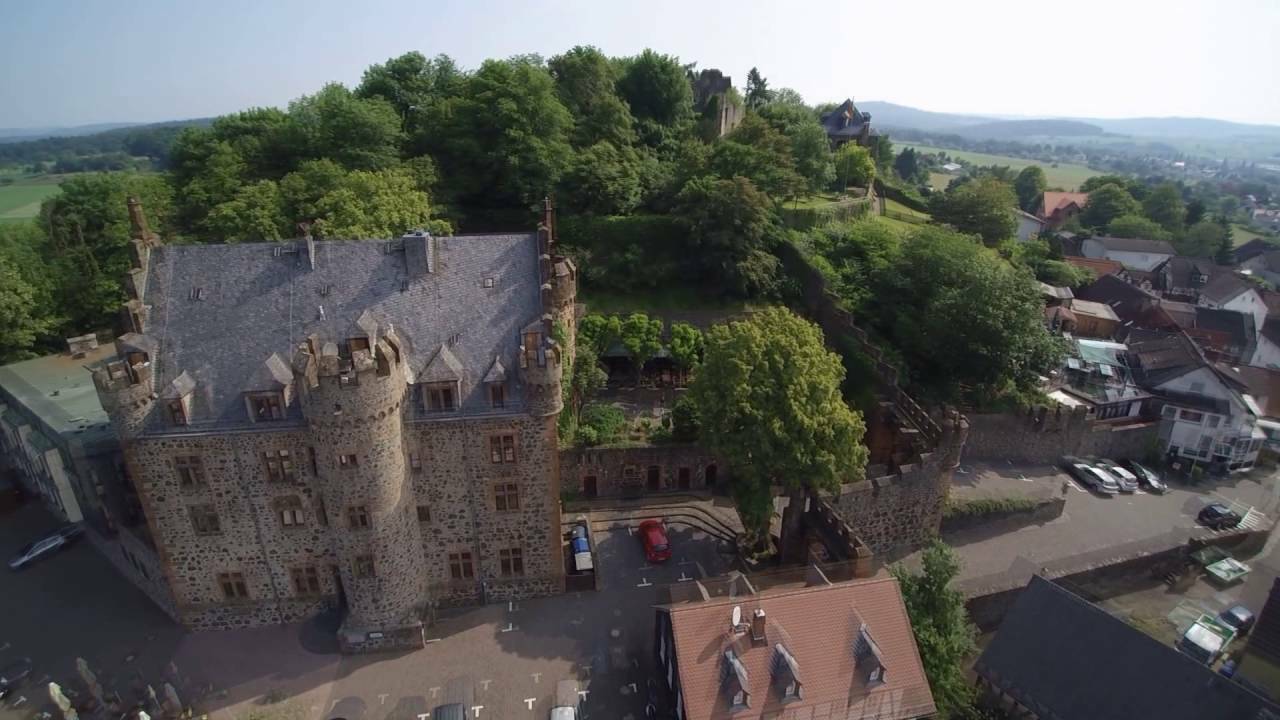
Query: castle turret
{"type": "Point", "coordinates": [126, 385]}
{"type": "Point", "coordinates": [352, 402]}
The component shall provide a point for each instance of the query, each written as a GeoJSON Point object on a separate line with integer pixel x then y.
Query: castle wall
{"type": "Point", "coordinates": [1043, 435]}
{"type": "Point", "coordinates": [896, 514]}
{"type": "Point", "coordinates": [620, 472]}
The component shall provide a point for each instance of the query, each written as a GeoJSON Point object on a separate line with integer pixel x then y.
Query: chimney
{"type": "Point", "coordinates": [138, 229]}
{"type": "Point", "coordinates": [758, 625]}
{"type": "Point", "coordinates": [419, 253]}
{"type": "Point", "coordinates": [305, 229]}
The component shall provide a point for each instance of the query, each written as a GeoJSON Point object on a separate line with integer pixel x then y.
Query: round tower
{"type": "Point", "coordinates": [541, 370]}
{"type": "Point", "coordinates": [353, 407]}
{"type": "Point", "coordinates": [126, 389]}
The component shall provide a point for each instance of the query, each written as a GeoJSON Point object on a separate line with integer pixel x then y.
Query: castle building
{"type": "Point", "coordinates": [368, 425]}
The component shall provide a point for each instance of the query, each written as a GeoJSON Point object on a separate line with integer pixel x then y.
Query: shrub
{"type": "Point", "coordinates": [982, 507]}
{"type": "Point", "coordinates": [685, 420]}
{"type": "Point", "coordinates": [600, 424]}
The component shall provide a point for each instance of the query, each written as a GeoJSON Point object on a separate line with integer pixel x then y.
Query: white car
{"type": "Point", "coordinates": [1127, 481]}
{"type": "Point", "coordinates": [1098, 479]}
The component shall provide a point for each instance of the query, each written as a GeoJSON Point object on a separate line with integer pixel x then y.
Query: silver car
{"type": "Point", "coordinates": [1127, 481]}
{"type": "Point", "coordinates": [60, 539]}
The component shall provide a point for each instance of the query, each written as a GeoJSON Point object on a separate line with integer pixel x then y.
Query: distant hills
{"type": "Point", "coordinates": [889, 115]}
{"type": "Point", "coordinates": [8, 135]}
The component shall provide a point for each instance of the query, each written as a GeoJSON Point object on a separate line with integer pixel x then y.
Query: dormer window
{"type": "Point", "coordinates": [441, 397]}
{"type": "Point", "coordinates": [359, 343]}
{"type": "Point", "coordinates": [497, 396]}
{"type": "Point", "coordinates": [868, 657]}
{"type": "Point", "coordinates": [735, 682]}
{"type": "Point", "coordinates": [265, 407]}
{"type": "Point", "coordinates": [791, 690]}
{"type": "Point", "coordinates": [177, 412]}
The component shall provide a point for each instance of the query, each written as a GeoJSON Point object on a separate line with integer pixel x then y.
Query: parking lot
{"type": "Point", "coordinates": [503, 659]}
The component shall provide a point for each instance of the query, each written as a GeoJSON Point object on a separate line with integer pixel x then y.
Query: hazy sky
{"type": "Point", "coordinates": [68, 62]}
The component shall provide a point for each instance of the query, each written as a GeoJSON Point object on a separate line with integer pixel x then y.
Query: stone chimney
{"type": "Point", "coordinates": [758, 626]}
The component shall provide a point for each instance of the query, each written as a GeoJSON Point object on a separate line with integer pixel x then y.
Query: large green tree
{"type": "Point", "coordinates": [603, 179]}
{"type": "Point", "coordinates": [730, 223]}
{"type": "Point", "coordinates": [983, 207]}
{"type": "Point", "coordinates": [1107, 203]}
{"type": "Point", "coordinates": [656, 88]}
{"type": "Point", "coordinates": [810, 148]}
{"type": "Point", "coordinates": [944, 635]}
{"type": "Point", "coordinates": [1029, 185]}
{"type": "Point", "coordinates": [907, 165]}
{"type": "Point", "coordinates": [22, 320]}
{"type": "Point", "coordinates": [768, 395]}
{"type": "Point", "coordinates": [1136, 226]}
{"type": "Point", "coordinates": [758, 93]}
{"type": "Point", "coordinates": [1164, 206]}
{"type": "Point", "coordinates": [641, 335]}
{"type": "Point", "coordinates": [586, 82]}
{"type": "Point", "coordinates": [414, 85]}
{"type": "Point", "coordinates": [755, 150]}
{"type": "Point", "coordinates": [357, 133]}
{"type": "Point", "coordinates": [854, 166]}
{"type": "Point", "coordinates": [1202, 239]}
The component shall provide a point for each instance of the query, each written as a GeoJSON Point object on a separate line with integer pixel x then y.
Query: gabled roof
{"type": "Point", "coordinates": [444, 367]}
{"type": "Point", "coordinates": [1129, 302]}
{"type": "Point", "coordinates": [1184, 272]}
{"type": "Point", "coordinates": [845, 120]}
{"type": "Point", "coordinates": [1099, 266]}
{"type": "Point", "coordinates": [258, 300]}
{"type": "Point", "coordinates": [1138, 245]}
{"type": "Point", "coordinates": [1237, 326]}
{"type": "Point", "coordinates": [1094, 309]}
{"type": "Point", "coordinates": [1066, 659]}
{"type": "Point", "coordinates": [819, 627]}
{"type": "Point", "coordinates": [1263, 384]}
{"type": "Point", "coordinates": [1225, 287]}
{"type": "Point", "coordinates": [1052, 201]}
{"type": "Point", "coordinates": [1158, 357]}
{"type": "Point", "coordinates": [1251, 249]}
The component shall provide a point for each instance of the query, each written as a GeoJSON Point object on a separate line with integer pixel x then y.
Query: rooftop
{"type": "Point", "coordinates": [232, 316]}
{"type": "Point", "coordinates": [1099, 266]}
{"type": "Point", "coordinates": [1093, 309]}
{"type": "Point", "coordinates": [1225, 286]}
{"type": "Point", "coordinates": [1138, 245]}
{"type": "Point", "coordinates": [1054, 201]}
{"type": "Point", "coordinates": [58, 389]}
{"type": "Point", "coordinates": [1064, 658]}
{"type": "Point", "coordinates": [829, 632]}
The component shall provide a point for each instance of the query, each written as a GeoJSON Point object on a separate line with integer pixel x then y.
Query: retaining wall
{"type": "Point", "coordinates": [1043, 435]}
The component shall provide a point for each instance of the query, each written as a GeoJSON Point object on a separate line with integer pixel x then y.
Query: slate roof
{"type": "Point", "coordinates": [1263, 385]}
{"type": "Point", "coordinates": [1128, 302]}
{"type": "Point", "coordinates": [1064, 658]}
{"type": "Point", "coordinates": [258, 302]}
{"type": "Point", "coordinates": [1251, 249]}
{"type": "Point", "coordinates": [1158, 357]}
{"type": "Point", "coordinates": [1183, 272]}
{"type": "Point", "coordinates": [1138, 245]}
{"type": "Point", "coordinates": [845, 121]}
{"type": "Point", "coordinates": [819, 627]}
{"type": "Point", "coordinates": [1224, 287]}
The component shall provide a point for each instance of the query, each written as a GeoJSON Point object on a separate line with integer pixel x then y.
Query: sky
{"type": "Point", "coordinates": [73, 62]}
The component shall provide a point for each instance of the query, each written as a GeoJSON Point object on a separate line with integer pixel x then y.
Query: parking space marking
{"type": "Point", "coordinates": [508, 628]}
{"type": "Point", "coordinates": [684, 562]}
{"type": "Point", "coordinates": [434, 690]}
{"type": "Point", "coordinates": [334, 705]}
{"type": "Point", "coordinates": [529, 702]}
{"type": "Point", "coordinates": [511, 606]}
{"type": "Point", "coordinates": [644, 582]}
{"type": "Point", "coordinates": [382, 698]}
{"type": "Point", "coordinates": [476, 709]}
{"type": "Point", "coordinates": [433, 640]}
{"type": "Point", "coordinates": [486, 683]}
{"type": "Point", "coordinates": [535, 677]}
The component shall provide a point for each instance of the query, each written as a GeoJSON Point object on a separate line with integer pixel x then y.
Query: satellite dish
{"type": "Point", "coordinates": [736, 617]}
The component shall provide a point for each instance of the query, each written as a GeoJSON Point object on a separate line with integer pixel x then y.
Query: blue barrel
{"type": "Point", "coordinates": [580, 545]}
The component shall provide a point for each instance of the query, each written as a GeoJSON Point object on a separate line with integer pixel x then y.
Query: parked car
{"type": "Point", "coordinates": [1146, 476]}
{"type": "Point", "coordinates": [1201, 642]}
{"type": "Point", "coordinates": [1238, 617]}
{"type": "Point", "coordinates": [452, 711]}
{"type": "Point", "coordinates": [1090, 476]}
{"type": "Point", "coordinates": [1217, 516]}
{"type": "Point", "coordinates": [60, 539]}
{"type": "Point", "coordinates": [1127, 481]}
{"type": "Point", "coordinates": [567, 701]}
{"type": "Point", "coordinates": [13, 674]}
{"type": "Point", "coordinates": [654, 536]}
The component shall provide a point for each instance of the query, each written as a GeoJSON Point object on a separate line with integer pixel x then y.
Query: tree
{"type": "Point", "coordinates": [945, 291]}
{"type": "Point", "coordinates": [1029, 186]}
{"type": "Point", "coordinates": [1202, 239]}
{"type": "Point", "coordinates": [341, 204]}
{"type": "Point", "coordinates": [982, 207]}
{"type": "Point", "coordinates": [1195, 211]}
{"type": "Point", "coordinates": [810, 148]}
{"type": "Point", "coordinates": [854, 166]}
{"type": "Point", "coordinates": [1136, 226]}
{"type": "Point", "coordinates": [656, 88]}
{"type": "Point", "coordinates": [729, 223]}
{"type": "Point", "coordinates": [768, 395]}
{"type": "Point", "coordinates": [941, 626]}
{"type": "Point", "coordinates": [758, 94]}
{"type": "Point", "coordinates": [22, 319]}
{"type": "Point", "coordinates": [255, 214]}
{"type": "Point", "coordinates": [413, 85]}
{"type": "Point", "coordinates": [1164, 206]}
{"type": "Point", "coordinates": [907, 165]}
{"type": "Point", "coordinates": [758, 152]}
{"type": "Point", "coordinates": [586, 83]}
{"type": "Point", "coordinates": [1097, 181]}
{"type": "Point", "coordinates": [1107, 203]}
{"type": "Point", "coordinates": [357, 133]}
{"type": "Point", "coordinates": [882, 152]}
{"type": "Point", "coordinates": [588, 379]}
{"type": "Point", "coordinates": [686, 345]}
{"type": "Point", "coordinates": [603, 179]}
{"type": "Point", "coordinates": [1226, 246]}
{"type": "Point", "coordinates": [597, 332]}
{"type": "Point", "coordinates": [642, 337]}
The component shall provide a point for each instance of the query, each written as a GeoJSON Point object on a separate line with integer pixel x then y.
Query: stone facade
{"type": "Point", "coordinates": [359, 494]}
{"type": "Point", "coordinates": [628, 472]}
{"type": "Point", "coordinates": [1043, 435]}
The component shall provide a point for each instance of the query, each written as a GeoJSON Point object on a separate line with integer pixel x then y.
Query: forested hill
{"type": "Point", "coordinates": [107, 150]}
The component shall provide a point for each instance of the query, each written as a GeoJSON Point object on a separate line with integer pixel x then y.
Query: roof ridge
{"type": "Point", "coordinates": [788, 592]}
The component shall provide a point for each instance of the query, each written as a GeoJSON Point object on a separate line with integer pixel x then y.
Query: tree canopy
{"type": "Point", "coordinates": [1029, 185]}
{"type": "Point", "coordinates": [1106, 203]}
{"type": "Point", "coordinates": [730, 223]}
{"type": "Point", "coordinates": [768, 396]}
{"type": "Point", "coordinates": [854, 166]}
{"type": "Point", "coordinates": [983, 207]}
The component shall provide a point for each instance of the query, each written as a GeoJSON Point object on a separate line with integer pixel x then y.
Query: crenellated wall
{"type": "Point", "coordinates": [1043, 435]}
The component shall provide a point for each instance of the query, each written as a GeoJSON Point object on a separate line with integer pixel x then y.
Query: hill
{"type": "Point", "coordinates": [1013, 129]}
{"type": "Point", "coordinates": [10, 135]}
{"type": "Point", "coordinates": [107, 150]}
{"type": "Point", "coordinates": [887, 114]}
{"type": "Point", "coordinates": [1207, 128]}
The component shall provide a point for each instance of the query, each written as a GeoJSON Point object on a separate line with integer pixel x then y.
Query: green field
{"type": "Point", "coordinates": [21, 201]}
{"type": "Point", "coordinates": [895, 206]}
{"type": "Point", "coordinates": [1065, 176]}
{"type": "Point", "coordinates": [1241, 235]}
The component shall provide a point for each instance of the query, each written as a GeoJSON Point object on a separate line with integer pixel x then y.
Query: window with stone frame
{"type": "Point", "coordinates": [190, 470]}
{"type": "Point", "coordinates": [502, 448]}
{"type": "Point", "coordinates": [279, 464]}
{"type": "Point", "coordinates": [441, 397]}
{"type": "Point", "coordinates": [497, 395]}
{"type": "Point", "coordinates": [424, 513]}
{"type": "Point", "coordinates": [363, 566]}
{"type": "Point", "coordinates": [460, 565]}
{"type": "Point", "coordinates": [291, 512]}
{"type": "Point", "coordinates": [306, 580]}
{"type": "Point", "coordinates": [265, 406]}
{"type": "Point", "coordinates": [204, 518]}
{"type": "Point", "coordinates": [233, 586]}
{"type": "Point", "coordinates": [358, 517]}
{"type": "Point", "coordinates": [506, 497]}
{"type": "Point", "coordinates": [511, 562]}
{"type": "Point", "coordinates": [348, 462]}
{"type": "Point", "coordinates": [177, 412]}
{"type": "Point", "coordinates": [415, 463]}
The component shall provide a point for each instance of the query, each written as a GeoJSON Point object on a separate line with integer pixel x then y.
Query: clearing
{"type": "Point", "coordinates": [21, 200]}
{"type": "Point", "coordinates": [895, 206]}
{"type": "Point", "coordinates": [1241, 234]}
{"type": "Point", "coordinates": [1064, 175]}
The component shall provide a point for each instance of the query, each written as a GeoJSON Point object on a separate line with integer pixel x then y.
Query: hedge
{"type": "Point", "coordinates": [898, 195]}
{"type": "Point", "coordinates": [981, 507]}
{"type": "Point", "coordinates": [811, 217]}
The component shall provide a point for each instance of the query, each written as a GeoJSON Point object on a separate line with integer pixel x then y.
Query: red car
{"type": "Point", "coordinates": [654, 536]}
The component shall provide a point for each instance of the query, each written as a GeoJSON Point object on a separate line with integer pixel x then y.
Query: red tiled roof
{"type": "Point", "coordinates": [1099, 266]}
{"type": "Point", "coordinates": [819, 627]}
{"type": "Point", "coordinates": [1054, 201]}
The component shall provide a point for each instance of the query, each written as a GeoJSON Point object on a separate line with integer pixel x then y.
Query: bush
{"type": "Point", "coordinates": [685, 420]}
{"type": "Point", "coordinates": [609, 250]}
{"type": "Point", "coordinates": [600, 424]}
{"type": "Point", "coordinates": [811, 217]}
{"type": "Point", "coordinates": [982, 507]}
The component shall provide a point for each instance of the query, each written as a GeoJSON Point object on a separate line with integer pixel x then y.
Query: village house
{"type": "Point", "coordinates": [834, 650]}
{"type": "Point", "coordinates": [1134, 253]}
{"type": "Point", "coordinates": [1096, 376]}
{"type": "Point", "coordinates": [1029, 226]}
{"type": "Point", "coordinates": [368, 425]}
{"type": "Point", "coordinates": [847, 124]}
{"type": "Point", "coordinates": [1056, 208]}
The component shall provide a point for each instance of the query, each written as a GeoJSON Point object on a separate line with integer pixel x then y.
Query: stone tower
{"type": "Point", "coordinates": [353, 403]}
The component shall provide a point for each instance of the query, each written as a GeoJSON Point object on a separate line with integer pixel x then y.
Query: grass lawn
{"type": "Point", "coordinates": [1241, 235]}
{"type": "Point", "coordinates": [1065, 175]}
{"type": "Point", "coordinates": [659, 301]}
{"type": "Point", "coordinates": [899, 207]}
{"type": "Point", "coordinates": [902, 226]}
{"type": "Point", "coordinates": [814, 201]}
{"type": "Point", "coordinates": [940, 180]}
{"type": "Point", "coordinates": [20, 201]}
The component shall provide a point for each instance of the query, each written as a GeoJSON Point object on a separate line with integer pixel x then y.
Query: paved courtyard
{"type": "Point", "coordinates": [505, 660]}
{"type": "Point", "coordinates": [1092, 528]}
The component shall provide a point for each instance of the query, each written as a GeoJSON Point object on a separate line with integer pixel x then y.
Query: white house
{"type": "Point", "coordinates": [1228, 291]}
{"type": "Point", "coordinates": [1029, 225]}
{"type": "Point", "coordinates": [1133, 253]}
